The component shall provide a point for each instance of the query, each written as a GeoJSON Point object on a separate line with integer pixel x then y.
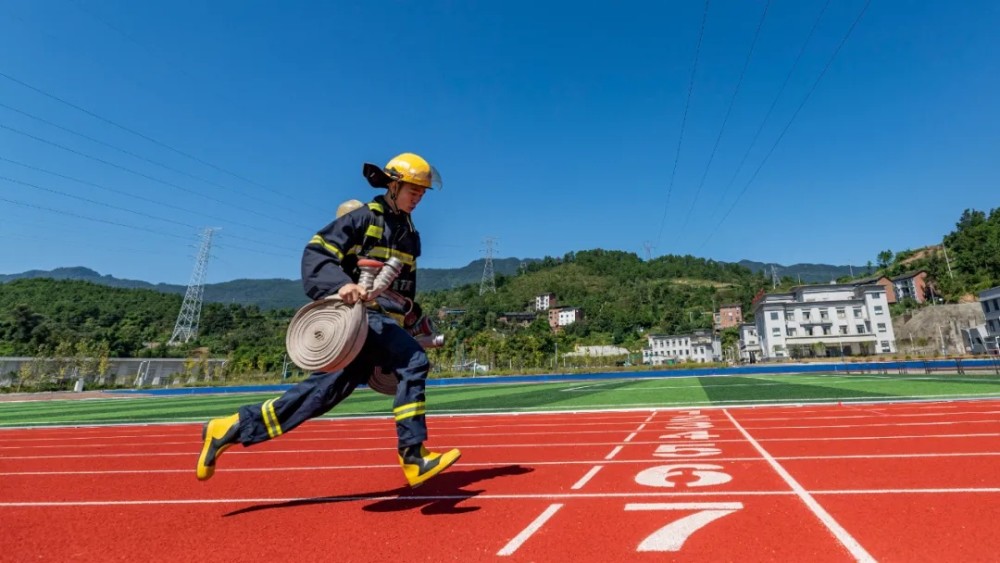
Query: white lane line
{"type": "Point", "coordinates": [614, 452]}
{"type": "Point", "coordinates": [458, 414]}
{"type": "Point", "coordinates": [443, 435]}
{"type": "Point", "coordinates": [509, 445]}
{"type": "Point", "coordinates": [531, 497]}
{"type": "Point", "coordinates": [841, 534]}
{"type": "Point", "coordinates": [395, 467]}
{"type": "Point", "coordinates": [526, 533]}
{"type": "Point", "coordinates": [586, 478]}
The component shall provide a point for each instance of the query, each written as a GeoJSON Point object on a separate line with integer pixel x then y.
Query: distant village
{"type": "Point", "coordinates": [835, 320]}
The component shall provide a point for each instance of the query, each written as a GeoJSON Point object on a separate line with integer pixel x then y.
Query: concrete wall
{"type": "Point", "coordinates": [130, 372]}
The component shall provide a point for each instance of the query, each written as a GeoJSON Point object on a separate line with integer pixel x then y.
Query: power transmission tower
{"type": "Point", "coordinates": [488, 282]}
{"type": "Point", "coordinates": [186, 327]}
{"type": "Point", "coordinates": [648, 247]}
{"type": "Point", "coordinates": [774, 277]}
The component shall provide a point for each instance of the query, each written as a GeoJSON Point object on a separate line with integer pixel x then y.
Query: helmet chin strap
{"type": "Point", "coordinates": [391, 193]}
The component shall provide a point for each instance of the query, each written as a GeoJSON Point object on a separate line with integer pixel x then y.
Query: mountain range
{"type": "Point", "coordinates": [284, 293]}
{"type": "Point", "coordinates": [272, 293]}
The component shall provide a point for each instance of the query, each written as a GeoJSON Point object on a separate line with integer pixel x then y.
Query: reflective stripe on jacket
{"type": "Point", "coordinates": [330, 259]}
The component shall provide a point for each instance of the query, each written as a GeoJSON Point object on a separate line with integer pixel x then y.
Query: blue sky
{"type": "Point", "coordinates": [557, 127]}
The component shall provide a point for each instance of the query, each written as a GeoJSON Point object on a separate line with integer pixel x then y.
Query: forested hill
{"type": "Point", "coordinates": [621, 296]}
{"type": "Point", "coordinates": [273, 293]}
{"type": "Point", "coordinates": [806, 273]}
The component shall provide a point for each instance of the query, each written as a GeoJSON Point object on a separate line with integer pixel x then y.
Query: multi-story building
{"type": "Point", "coordinates": [545, 301]}
{"type": "Point", "coordinates": [749, 344]}
{"type": "Point", "coordinates": [825, 320]}
{"type": "Point", "coordinates": [886, 283]}
{"type": "Point", "coordinates": [563, 316]}
{"type": "Point", "coordinates": [700, 347]}
{"type": "Point", "coordinates": [729, 316]}
{"type": "Point", "coordinates": [912, 285]}
{"type": "Point", "coordinates": [990, 302]}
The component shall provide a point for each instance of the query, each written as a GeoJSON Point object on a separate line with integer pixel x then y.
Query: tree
{"type": "Point", "coordinates": [884, 259]}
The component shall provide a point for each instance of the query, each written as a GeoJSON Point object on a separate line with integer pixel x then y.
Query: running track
{"type": "Point", "coordinates": [887, 482]}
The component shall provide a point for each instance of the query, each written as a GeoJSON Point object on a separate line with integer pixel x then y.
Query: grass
{"type": "Point", "coordinates": [531, 397]}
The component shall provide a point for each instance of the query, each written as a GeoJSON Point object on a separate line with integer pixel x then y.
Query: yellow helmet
{"type": "Point", "coordinates": [406, 167]}
{"type": "Point", "coordinates": [347, 207]}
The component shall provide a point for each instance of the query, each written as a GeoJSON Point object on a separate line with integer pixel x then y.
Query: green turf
{"type": "Point", "coordinates": [529, 397]}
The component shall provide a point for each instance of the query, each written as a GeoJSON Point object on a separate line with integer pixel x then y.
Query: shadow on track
{"type": "Point", "coordinates": [441, 495]}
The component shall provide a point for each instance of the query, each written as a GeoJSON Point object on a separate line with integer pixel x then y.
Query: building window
{"type": "Point", "coordinates": [824, 315]}
{"type": "Point", "coordinates": [885, 346]}
{"type": "Point", "coordinates": [841, 312]}
{"type": "Point", "coordinates": [843, 329]}
{"type": "Point", "coordinates": [857, 312]}
{"type": "Point", "coordinates": [877, 295]}
{"type": "Point", "coordinates": [861, 328]}
{"type": "Point", "coordinates": [790, 332]}
{"type": "Point", "coordinates": [774, 315]}
{"type": "Point", "coordinates": [805, 315]}
{"type": "Point", "coordinates": [826, 331]}
{"type": "Point", "coordinates": [790, 315]}
{"type": "Point", "coordinates": [878, 309]}
{"type": "Point", "coordinates": [881, 327]}
{"type": "Point", "coordinates": [776, 331]}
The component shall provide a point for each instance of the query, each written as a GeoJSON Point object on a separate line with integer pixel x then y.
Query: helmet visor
{"type": "Point", "coordinates": [436, 183]}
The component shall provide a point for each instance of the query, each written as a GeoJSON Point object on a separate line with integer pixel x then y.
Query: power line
{"type": "Point", "coordinates": [138, 156]}
{"type": "Point", "coordinates": [784, 84]}
{"type": "Point", "coordinates": [140, 135]}
{"type": "Point", "coordinates": [95, 202]}
{"type": "Point", "coordinates": [119, 208]}
{"type": "Point", "coordinates": [124, 225]}
{"type": "Point", "coordinates": [141, 198]}
{"type": "Point", "coordinates": [729, 110]}
{"type": "Point", "coordinates": [131, 171]}
{"type": "Point", "coordinates": [687, 105]}
{"type": "Point", "coordinates": [86, 218]}
{"type": "Point", "coordinates": [784, 130]}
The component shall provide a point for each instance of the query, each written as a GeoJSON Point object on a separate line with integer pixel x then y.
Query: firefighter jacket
{"type": "Point", "coordinates": [373, 231]}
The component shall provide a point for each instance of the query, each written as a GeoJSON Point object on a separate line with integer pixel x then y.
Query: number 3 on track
{"type": "Point", "coordinates": [672, 536]}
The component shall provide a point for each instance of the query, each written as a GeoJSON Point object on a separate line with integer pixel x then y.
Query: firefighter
{"type": "Point", "coordinates": [380, 230]}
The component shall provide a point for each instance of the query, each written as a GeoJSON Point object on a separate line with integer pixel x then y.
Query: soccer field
{"type": "Point", "coordinates": [645, 393]}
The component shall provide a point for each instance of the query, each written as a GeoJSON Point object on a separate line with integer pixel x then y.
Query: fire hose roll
{"type": "Point", "coordinates": [326, 335]}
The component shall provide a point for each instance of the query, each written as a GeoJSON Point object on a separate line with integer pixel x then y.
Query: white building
{"type": "Point", "coordinates": [564, 316]}
{"type": "Point", "coordinates": [825, 320]}
{"type": "Point", "coordinates": [749, 344]}
{"type": "Point", "coordinates": [990, 301]}
{"type": "Point", "coordinates": [700, 347]}
{"type": "Point", "coordinates": [545, 301]}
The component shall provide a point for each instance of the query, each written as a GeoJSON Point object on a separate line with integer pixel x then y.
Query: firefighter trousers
{"type": "Point", "coordinates": [387, 345]}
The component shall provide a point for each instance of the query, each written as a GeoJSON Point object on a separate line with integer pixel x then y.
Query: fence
{"type": "Point", "coordinates": [120, 372]}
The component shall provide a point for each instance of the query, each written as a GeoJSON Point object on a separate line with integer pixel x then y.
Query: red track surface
{"type": "Point", "coordinates": [904, 482]}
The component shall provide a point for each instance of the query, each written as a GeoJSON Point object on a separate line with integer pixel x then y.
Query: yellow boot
{"type": "Point", "coordinates": [218, 434]}
{"type": "Point", "coordinates": [419, 464]}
